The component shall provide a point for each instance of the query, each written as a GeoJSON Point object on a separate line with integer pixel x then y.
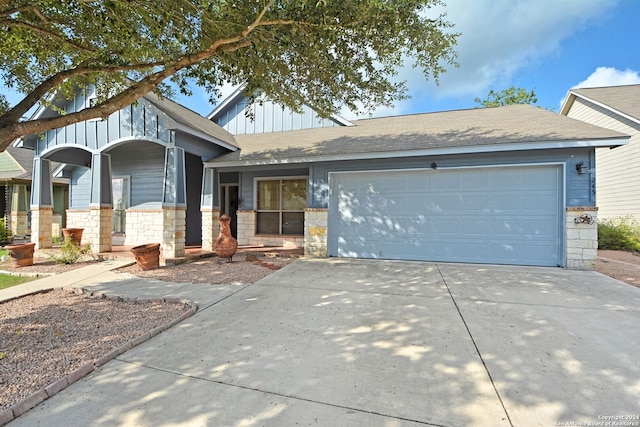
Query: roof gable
{"type": "Point", "coordinates": [267, 116]}
{"type": "Point", "coordinates": [623, 100]}
{"type": "Point", "coordinates": [178, 118]}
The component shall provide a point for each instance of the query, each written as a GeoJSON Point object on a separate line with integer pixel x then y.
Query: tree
{"type": "Point", "coordinates": [508, 96]}
{"type": "Point", "coordinates": [324, 53]}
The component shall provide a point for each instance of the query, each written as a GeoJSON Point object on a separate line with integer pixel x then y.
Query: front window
{"type": "Point", "coordinates": [280, 206]}
{"type": "Point", "coordinates": [120, 187]}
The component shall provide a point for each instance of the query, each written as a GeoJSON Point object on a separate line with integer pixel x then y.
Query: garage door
{"type": "Point", "coordinates": [503, 215]}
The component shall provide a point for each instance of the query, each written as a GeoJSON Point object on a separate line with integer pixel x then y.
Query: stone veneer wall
{"type": "Point", "coordinates": [165, 226]}
{"type": "Point", "coordinates": [41, 220]}
{"type": "Point", "coordinates": [582, 238]}
{"type": "Point", "coordinates": [247, 233]}
{"type": "Point", "coordinates": [210, 227]}
{"type": "Point", "coordinates": [315, 232]}
{"type": "Point", "coordinates": [79, 218]}
{"type": "Point", "coordinates": [144, 226]}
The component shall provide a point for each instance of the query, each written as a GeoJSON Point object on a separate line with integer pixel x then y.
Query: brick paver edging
{"type": "Point", "coordinates": [52, 389]}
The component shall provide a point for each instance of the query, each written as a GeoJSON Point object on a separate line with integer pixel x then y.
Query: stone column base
{"type": "Point", "coordinates": [582, 237]}
{"type": "Point", "coordinates": [210, 227]}
{"type": "Point", "coordinates": [315, 232]}
{"type": "Point", "coordinates": [98, 230]}
{"type": "Point", "coordinates": [174, 232]}
{"type": "Point", "coordinates": [41, 220]}
{"type": "Point", "coordinates": [18, 223]}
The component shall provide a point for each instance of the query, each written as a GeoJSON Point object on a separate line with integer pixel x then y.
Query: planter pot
{"type": "Point", "coordinates": [21, 254]}
{"type": "Point", "coordinates": [147, 256]}
{"type": "Point", "coordinates": [75, 234]}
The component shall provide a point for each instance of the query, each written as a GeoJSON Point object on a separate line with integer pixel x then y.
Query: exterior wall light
{"type": "Point", "coordinates": [434, 166]}
{"type": "Point", "coordinates": [581, 168]}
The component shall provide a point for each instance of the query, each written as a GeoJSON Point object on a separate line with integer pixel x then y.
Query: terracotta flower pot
{"type": "Point", "coordinates": [147, 256]}
{"type": "Point", "coordinates": [75, 234]}
{"type": "Point", "coordinates": [21, 254]}
{"type": "Point", "coordinates": [225, 245]}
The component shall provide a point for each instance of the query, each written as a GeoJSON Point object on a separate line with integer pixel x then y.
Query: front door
{"type": "Point", "coordinates": [229, 205]}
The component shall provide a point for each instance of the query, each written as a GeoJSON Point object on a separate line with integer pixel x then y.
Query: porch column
{"type": "Point", "coordinates": [41, 203]}
{"type": "Point", "coordinates": [174, 204]}
{"type": "Point", "coordinates": [17, 210]}
{"type": "Point", "coordinates": [582, 237]}
{"type": "Point", "coordinates": [100, 224]}
{"type": "Point", "coordinates": [210, 211]}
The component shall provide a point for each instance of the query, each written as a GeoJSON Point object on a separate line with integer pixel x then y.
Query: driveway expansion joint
{"type": "Point", "coordinates": [475, 345]}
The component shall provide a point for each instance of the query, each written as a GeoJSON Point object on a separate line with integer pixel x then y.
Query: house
{"type": "Point", "coordinates": [16, 165]}
{"type": "Point", "coordinates": [135, 177]}
{"type": "Point", "coordinates": [507, 185]}
{"type": "Point", "coordinates": [618, 171]}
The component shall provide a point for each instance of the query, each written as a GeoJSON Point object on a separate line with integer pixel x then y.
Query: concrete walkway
{"type": "Point", "coordinates": [337, 342]}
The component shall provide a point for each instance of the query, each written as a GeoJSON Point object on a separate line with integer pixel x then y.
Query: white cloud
{"type": "Point", "coordinates": [499, 38]}
{"type": "Point", "coordinates": [608, 76]}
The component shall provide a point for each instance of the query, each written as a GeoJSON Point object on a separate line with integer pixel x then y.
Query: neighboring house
{"type": "Point", "coordinates": [16, 165]}
{"type": "Point", "coordinates": [135, 177]}
{"type": "Point", "coordinates": [497, 185]}
{"type": "Point", "coordinates": [618, 171]}
{"type": "Point", "coordinates": [508, 185]}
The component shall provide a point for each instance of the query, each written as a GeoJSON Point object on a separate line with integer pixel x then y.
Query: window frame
{"type": "Point", "coordinates": [127, 190]}
{"type": "Point", "coordinates": [280, 211]}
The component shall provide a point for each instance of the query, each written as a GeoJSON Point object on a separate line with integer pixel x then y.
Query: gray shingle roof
{"type": "Point", "coordinates": [490, 127]}
{"type": "Point", "coordinates": [625, 99]}
{"type": "Point", "coordinates": [24, 158]}
{"type": "Point", "coordinates": [190, 118]}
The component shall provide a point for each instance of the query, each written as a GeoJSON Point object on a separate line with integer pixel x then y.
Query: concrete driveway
{"type": "Point", "coordinates": [337, 342]}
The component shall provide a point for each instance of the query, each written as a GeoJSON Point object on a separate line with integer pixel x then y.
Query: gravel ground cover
{"type": "Point", "coordinates": [245, 268]}
{"type": "Point", "coordinates": [46, 336]}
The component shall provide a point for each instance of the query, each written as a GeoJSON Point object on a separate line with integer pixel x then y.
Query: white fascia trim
{"type": "Point", "coordinates": [341, 120]}
{"type": "Point", "coordinates": [426, 152]}
{"type": "Point", "coordinates": [606, 107]}
{"type": "Point", "coordinates": [227, 101]}
{"type": "Point", "coordinates": [186, 129]}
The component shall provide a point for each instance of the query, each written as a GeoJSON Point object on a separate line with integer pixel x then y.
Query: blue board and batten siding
{"type": "Point", "coordinates": [143, 162]}
{"type": "Point", "coordinates": [80, 188]}
{"type": "Point", "coordinates": [268, 117]}
{"type": "Point", "coordinates": [137, 121]}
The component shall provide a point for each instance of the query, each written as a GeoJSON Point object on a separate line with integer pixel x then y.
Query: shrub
{"type": "Point", "coordinates": [70, 252]}
{"type": "Point", "coordinates": [620, 233]}
{"type": "Point", "coordinates": [5, 233]}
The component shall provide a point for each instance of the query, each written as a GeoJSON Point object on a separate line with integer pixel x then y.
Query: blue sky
{"type": "Point", "coordinates": [546, 45]}
{"type": "Point", "coordinates": [549, 46]}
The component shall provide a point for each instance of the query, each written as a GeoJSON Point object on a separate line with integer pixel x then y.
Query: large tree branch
{"type": "Point", "coordinates": [47, 33]}
{"type": "Point", "coordinates": [11, 128]}
{"type": "Point", "coordinates": [29, 8]}
{"type": "Point", "coordinates": [45, 87]}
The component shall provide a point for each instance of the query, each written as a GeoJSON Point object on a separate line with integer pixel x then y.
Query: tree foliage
{"type": "Point", "coordinates": [508, 96]}
{"type": "Point", "coordinates": [324, 53]}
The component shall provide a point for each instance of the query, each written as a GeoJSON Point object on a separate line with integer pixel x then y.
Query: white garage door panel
{"type": "Point", "coordinates": [486, 215]}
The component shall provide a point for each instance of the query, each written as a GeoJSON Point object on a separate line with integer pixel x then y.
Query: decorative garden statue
{"type": "Point", "coordinates": [225, 245]}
